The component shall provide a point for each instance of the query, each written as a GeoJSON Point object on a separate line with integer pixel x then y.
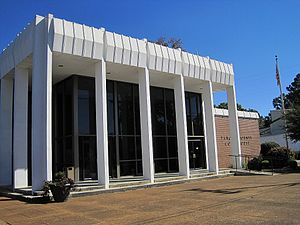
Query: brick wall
{"type": "Point", "coordinates": [249, 134]}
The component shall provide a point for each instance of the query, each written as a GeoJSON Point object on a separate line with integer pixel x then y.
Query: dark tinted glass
{"type": "Point", "coordinates": [194, 114]}
{"type": "Point", "coordinates": [158, 111]}
{"type": "Point", "coordinates": [172, 146]}
{"type": "Point", "coordinates": [197, 124]}
{"type": "Point", "coordinates": [125, 108]}
{"type": "Point", "coordinates": [164, 129]}
{"type": "Point", "coordinates": [173, 165]}
{"type": "Point", "coordinates": [127, 148]}
{"type": "Point", "coordinates": [112, 156]}
{"type": "Point", "coordinates": [139, 167]}
{"type": "Point", "coordinates": [110, 108]}
{"type": "Point", "coordinates": [128, 168]}
{"type": "Point", "coordinates": [86, 106]}
{"type": "Point", "coordinates": [68, 153]}
{"type": "Point", "coordinates": [170, 112]}
{"type": "Point", "coordinates": [68, 106]}
{"type": "Point", "coordinates": [59, 110]}
{"type": "Point", "coordinates": [161, 165]}
{"type": "Point", "coordinates": [138, 147]}
{"type": "Point", "coordinates": [159, 147]}
{"type": "Point", "coordinates": [88, 157]}
{"type": "Point", "coordinates": [137, 109]}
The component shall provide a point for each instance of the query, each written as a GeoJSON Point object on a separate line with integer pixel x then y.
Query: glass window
{"type": "Point", "coordinates": [88, 157]}
{"type": "Point", "coordinates": [86, 106]}
{"type": "Point", "coordinates": [112, 156]}
{"type": "Point", "coordinates": [194, 114]}
{"type": "Point", "coordinates": [59, 110]}
{"type": "Point", "coordinates": [125, 108]}
{"type": "Point", "coordinates": [164, 129]}
{"type": "Point", "coordinates": [173, 165]}
{"type": "Point", "coordinates": [137, 109]}
{"type": "Point", "coordinates": [68, 153]}
{"type": "Point", "coordinates": [83, 112]}
{"type": "Point", "coordinates": [68, 106]}
{"type": "Point", "coordinates": [170, 112]}
{"type": "Point", "coordinates": [128, 168]}
{"type": "Point", "coordinates": [138, 147]}
{"type": "Point", "coordinates": [159, 147]}
{"type": "Point", "coordinates": [158, 111]}
{"type": "Point", "coordinates": [126, 148]}
{"type": "Point", "coordinates": [110, 108]}
{"type": "Point", "coordinates": [161, 165]}
{"type": "Point", "coordinates": [172, 145]}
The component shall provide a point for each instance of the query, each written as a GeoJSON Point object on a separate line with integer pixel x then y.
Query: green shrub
{"type": "Point", "coordinates": [279, 156]}
{"type": "Point", "coordinates": [293, 164]}
{"type": "Point", "coordinates": [265, 164]}
{"type": "Point", "coordinates": [254, 164]}
{"type": "Point", "coordinates": [266, 147]}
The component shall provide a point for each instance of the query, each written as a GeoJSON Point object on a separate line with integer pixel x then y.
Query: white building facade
{"type": "Point", "coordinates": [106, 105]}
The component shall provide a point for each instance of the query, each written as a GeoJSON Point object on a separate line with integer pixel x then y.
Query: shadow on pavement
{"type": "Point", "coordinates": [241, 189]}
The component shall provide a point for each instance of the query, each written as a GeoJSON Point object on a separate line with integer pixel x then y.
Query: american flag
{"type": "Point", "coordinates": [277, 74]}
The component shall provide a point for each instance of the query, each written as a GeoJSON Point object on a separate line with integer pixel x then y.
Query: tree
{"type": "Point", "coordinates": [293, 123]}
{"type": "Point", "coordinates": [293, 114]}
{"type": "Point", "coordinates": [277, 104]}
{"type": "Point", "coordinates": [294, 91]}
{"type": "Point", "coordinates": [224, 105]}
{"type": "Point", "coordinates": [292, 97]}
{"type": "Point", "coordinates": [265, 122]}
{"type": "Point", "coordinates": [171, 43]}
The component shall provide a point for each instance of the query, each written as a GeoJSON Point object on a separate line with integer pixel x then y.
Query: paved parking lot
{"type": "Point", "coordinates": [230, 200]}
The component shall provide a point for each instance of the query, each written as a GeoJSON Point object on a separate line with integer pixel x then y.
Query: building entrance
{"type": "Point", "coordinates": [197, 157]}
{"type": "Point", "coordinates": [196, 140]}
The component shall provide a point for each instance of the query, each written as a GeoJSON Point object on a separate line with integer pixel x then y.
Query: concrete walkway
{"type": "Point", "coordinates": [230, 200]}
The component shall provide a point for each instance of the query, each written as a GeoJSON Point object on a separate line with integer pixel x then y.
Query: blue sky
{"type": "Point", "coordinates": [246, 33]}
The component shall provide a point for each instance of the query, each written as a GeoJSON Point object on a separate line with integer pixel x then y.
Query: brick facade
{"type": "Point", "coordinates": [249, 134]}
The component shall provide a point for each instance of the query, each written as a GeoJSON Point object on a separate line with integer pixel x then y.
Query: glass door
{"type": "Point", "coordinates": [87, 158]}
{"type": "Point", "coordinates": [197, 156]}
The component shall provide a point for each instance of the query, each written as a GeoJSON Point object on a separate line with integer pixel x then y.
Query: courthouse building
{"type": "Point", "coordinates": [106, 105]}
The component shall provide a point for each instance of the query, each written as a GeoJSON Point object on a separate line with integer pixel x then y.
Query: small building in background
{"type": "Point", "coordinates": [275, 133]}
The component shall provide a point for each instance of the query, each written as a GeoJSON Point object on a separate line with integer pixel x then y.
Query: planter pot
{"type": "Point", "coordinates": [60, 193]}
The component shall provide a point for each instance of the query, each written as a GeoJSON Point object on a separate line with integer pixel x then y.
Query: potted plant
{"type": "Point", "coordinates": [60, 187]}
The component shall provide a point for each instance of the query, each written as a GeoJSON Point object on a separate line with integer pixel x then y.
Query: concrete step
{"type": "Point", "coordinates": [129, 183]}
{"type": "Point", "coordinates": [166, 179]}
{"type": "Point", "coordinates": [24, 191]}
{"type": "Point", "coordinates": [24, 197]}
{"type": "Point", "coordinates": [87, 188]}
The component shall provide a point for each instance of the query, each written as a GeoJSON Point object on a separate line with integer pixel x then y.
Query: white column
{"type": "Point", "coordinates": [210, 128]}
{"type": "Point", "coordinates": [101, 124]}
{"type": "Point", "coordinates": [41, 106]}
{"type": "Point", "coordinates": [20, 128]}
{"type": "Point", "coordinates": [146, 125]}
{"type": "Point", "coordinates": [182, 139]}
{"type": "Point", "coordinates": [6, 132]}
{"type": "Point", "coordinates": [234, 127]}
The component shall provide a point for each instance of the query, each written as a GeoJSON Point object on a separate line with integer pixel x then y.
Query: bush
{"type": "Point", "coordinates": [265, 164]}
{"type": "Point", "coordinates": [60, 187]}
{"type": "Point", "coordinates": [293, 164]}
{"type": "Point", "coordinates": [279, 156]}
{"type": "Point", "coordinates": [254, 164]}
{"type": "Point", "coordinates": [266, 147]}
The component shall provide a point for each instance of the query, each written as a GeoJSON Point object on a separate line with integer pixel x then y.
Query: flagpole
{"type": "Point", "coordinates": [282, 102]}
